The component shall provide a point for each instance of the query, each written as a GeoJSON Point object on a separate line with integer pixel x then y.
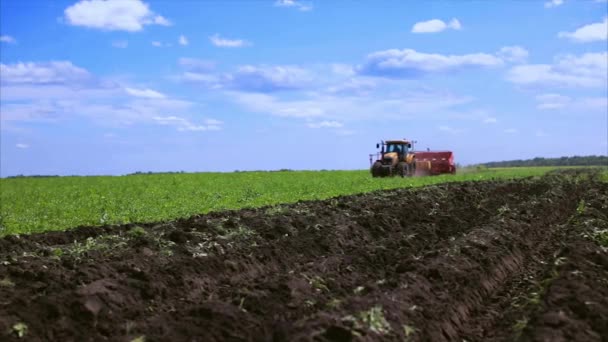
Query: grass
{"type": "Point", "coordinates": [30, 205]}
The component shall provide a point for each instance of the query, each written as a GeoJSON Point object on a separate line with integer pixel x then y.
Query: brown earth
{"type": "Point", "coordinates": [494, 260]}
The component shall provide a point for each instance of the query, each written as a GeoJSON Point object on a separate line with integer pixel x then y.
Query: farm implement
{"type": "Point", "coordinates": [398, 158]}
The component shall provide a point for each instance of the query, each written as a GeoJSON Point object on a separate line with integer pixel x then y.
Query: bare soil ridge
{"type": "Point", "coordinates": [498, 260]}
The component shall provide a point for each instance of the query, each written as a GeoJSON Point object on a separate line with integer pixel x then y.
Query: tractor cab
{"type": "Point", "coordinates": [399, 147]}
{"type": "Point", "coordinates": [394, 151]}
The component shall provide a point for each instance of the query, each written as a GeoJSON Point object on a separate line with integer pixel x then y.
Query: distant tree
{"type": "Point", "coordinates": [562, 161]}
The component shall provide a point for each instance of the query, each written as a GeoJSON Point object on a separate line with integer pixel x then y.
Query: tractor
{"type": "Point", "coordinates": [397, 158]}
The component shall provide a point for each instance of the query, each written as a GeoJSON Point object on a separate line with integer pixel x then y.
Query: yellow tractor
{"type": "Point", "coordinates": [396, 158]}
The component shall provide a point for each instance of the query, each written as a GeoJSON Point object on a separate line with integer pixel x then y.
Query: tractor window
{"type": "Point", "coordinates": [396, 148]}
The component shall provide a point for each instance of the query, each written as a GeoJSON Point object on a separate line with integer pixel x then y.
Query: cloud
{"type": "Point", "coordinates": [7, 39]}
{"type": "Point", "coordinates": [511, 131]}
{"type": "Point", "coordinates": [489, 120]}
{"type": "Point", "coordinates": [587, 70]}
{"type": "Point", "coordinates": [389, 105]}
{"type": "Point", "coordinates": [249, 78]}
{"type": "Point", "coordinates": [160, 44]}
{"type": "Point", "coordinates": [145, 93]}
{"type": "Point", "coordinates": [342, 69]}
{"type": "Point", "coordinates": [435, 25]}
{"type": "Point", "coordinates": [60, 91]}
{"type": "Point", "coordinates": [266, 78]}
{"type": "Point", "coordinates": [120, 44]}
{"type": "Point", "coordinates": [450, 130]}
{"type": "Point", "coordinates": [513, 54]}
{"type": "Point", "coordinates": [325, 124]}
{"type": "Point", "coordinates": [557, 102]}
{"type": "Point", "coordinates": [553, 3]}
{"type": "Point", "coordinates": [209, 80]}
{"type": "Point", "coordinates": [230, 43]}
{"type": "Point", "coordinates": [183, 40]}
{"type": "Point", "coordinates": [195, 64]}
{"type": "Point", "coordinates": [552, 101]}
{"type": "Point", "coordinates": [294, 4]}
{"type": "Point", "coordinates": [354, 86]}
{"type": "Point", "coordinates": [409, 63]}
{"type": "Point", "coordinates": [540, 133]}
{"type": "Point", "coordinates": [113, 15]}
{"type": "Point", "coordinates": [22, 146]}
{"type": "Point", "coordinates": [56, 72]}
{"type": "Point", "coordinates": [588, 33]}
{"type": "Point", "coordinates": [183, 124]}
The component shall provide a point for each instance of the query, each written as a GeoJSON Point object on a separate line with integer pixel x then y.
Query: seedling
{"type": "Point", "coordinates": [20, 329]}
{"type": "Point", "coordinates": [374, 320]}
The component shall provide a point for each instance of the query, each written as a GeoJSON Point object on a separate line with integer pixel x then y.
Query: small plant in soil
{"type": "Point", "coordinates": [136, 232]}
{"type": "Point", "coordinates": [6, 283]}
{"type": "Point", "coordinates": [374, 320]}
{"type": "Point", "coordinates": [20, 329]}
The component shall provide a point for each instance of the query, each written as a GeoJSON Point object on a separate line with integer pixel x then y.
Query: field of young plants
{"type": "Point", "coordinates": [30, 205]}
{"type": "Point", "coordinates": [504, 258]}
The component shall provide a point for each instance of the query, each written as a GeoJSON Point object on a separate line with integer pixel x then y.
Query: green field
{"type": "Point", "coordinates": [29, 205]}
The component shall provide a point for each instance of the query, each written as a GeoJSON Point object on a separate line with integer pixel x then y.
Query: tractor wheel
{"type": "Point", "coordinates": [377, 169]}
{"type": "Point", "coordinates": [402, 169]}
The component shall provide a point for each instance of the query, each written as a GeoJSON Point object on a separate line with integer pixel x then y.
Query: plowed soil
{"type": "Point", "coordinates": [495, 260]}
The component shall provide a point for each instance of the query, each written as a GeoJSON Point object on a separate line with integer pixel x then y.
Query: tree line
{"type": "Point", "coordinates": [563, 161]}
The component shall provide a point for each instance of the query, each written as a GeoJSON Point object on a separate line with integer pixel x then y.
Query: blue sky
{"type": "Point", "coordinates": [113, 87]}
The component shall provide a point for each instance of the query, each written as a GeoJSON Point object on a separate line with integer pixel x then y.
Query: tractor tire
{"type": "Point", "coordinates": [377, 169]}
{"type": "Point", "coordinates": [402, 169]}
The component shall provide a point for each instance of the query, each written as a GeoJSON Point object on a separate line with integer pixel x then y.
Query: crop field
{"type": "Point", "coordinates": [39, 204]}
{"type": "Point", "coordinates": [497, 259]}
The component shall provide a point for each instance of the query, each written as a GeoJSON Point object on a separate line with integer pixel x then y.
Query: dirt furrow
{"type": "Point", "coordinates": [440, 263]}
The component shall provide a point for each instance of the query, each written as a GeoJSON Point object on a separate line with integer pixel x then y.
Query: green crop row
{"type": "Point", "coordinates": [29, 205]}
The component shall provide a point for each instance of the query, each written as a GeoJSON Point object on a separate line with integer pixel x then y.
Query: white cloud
{"type": "Point", "coordinates": [7, 39]}
{"type": "Point", "coordinates": [588, 33]}
{"type": "Point", "coordinates": [225, 42]}
{"type": "Point", "coordinates": [325, 124]}
{"type": "Point", "coordinates": [435, 25]}
{"type": "Point", "coordinates": [540, 133]}
{"type": "Point", "coordinates": [293, 4]}
{"type": "Point", "coordinates": [557, 102]}
{"type": "Point", "coordinates": [60, 91]}
{"type": "Point", "coordinates": [511, 131]}
{"type": "Point", "coordinates": [513, 54]}
{"type": "Point", "coordinates": [213, 122]}
{"type": "Point", "coordinates": [209, 80]}
{"type": "Point", "coordinates": [587, 70]}
{"type": "Point", "coordinates": [267, 78]}
{"type": "Point", "coordinates": [120, 44]}
{"type": "Point", "coordinates": [489, 120]}
{"type": "Point", "coordinates": [113, 15]}
{"type": "Point", "coordinates": [145, 93]}
{"type": "Point", "coordinates": [552, 101]}
{"type": "Point", "coordinates": [22, 146]}
{"type": "Point", "coordinates": [195, 64]}
{"type": "Point", "coordinates": [408, 63]}
{"type": "Point", "coordinates": [386, 105]}
{"type": "Point", "coordinates": [450, 130]}
{"type": "Point", "coordinates": [160, 44]}
{"type": "Point", "coordinates": [183, 40]}
{"type": "Point", "coordinates": [553, 3]}
{"type": "Point", "coordinates": [249, 78]}
{"type": "Point", "coordinates": [183, 124]}
{"type": "Point", "coordinates": [342, 69]}
{"type": "Point", "coordinates": [354, 86]}
{"type": "Point", "coordinates": [162, 21]}
{"type": "Point", "coordinates": [56, 72]}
